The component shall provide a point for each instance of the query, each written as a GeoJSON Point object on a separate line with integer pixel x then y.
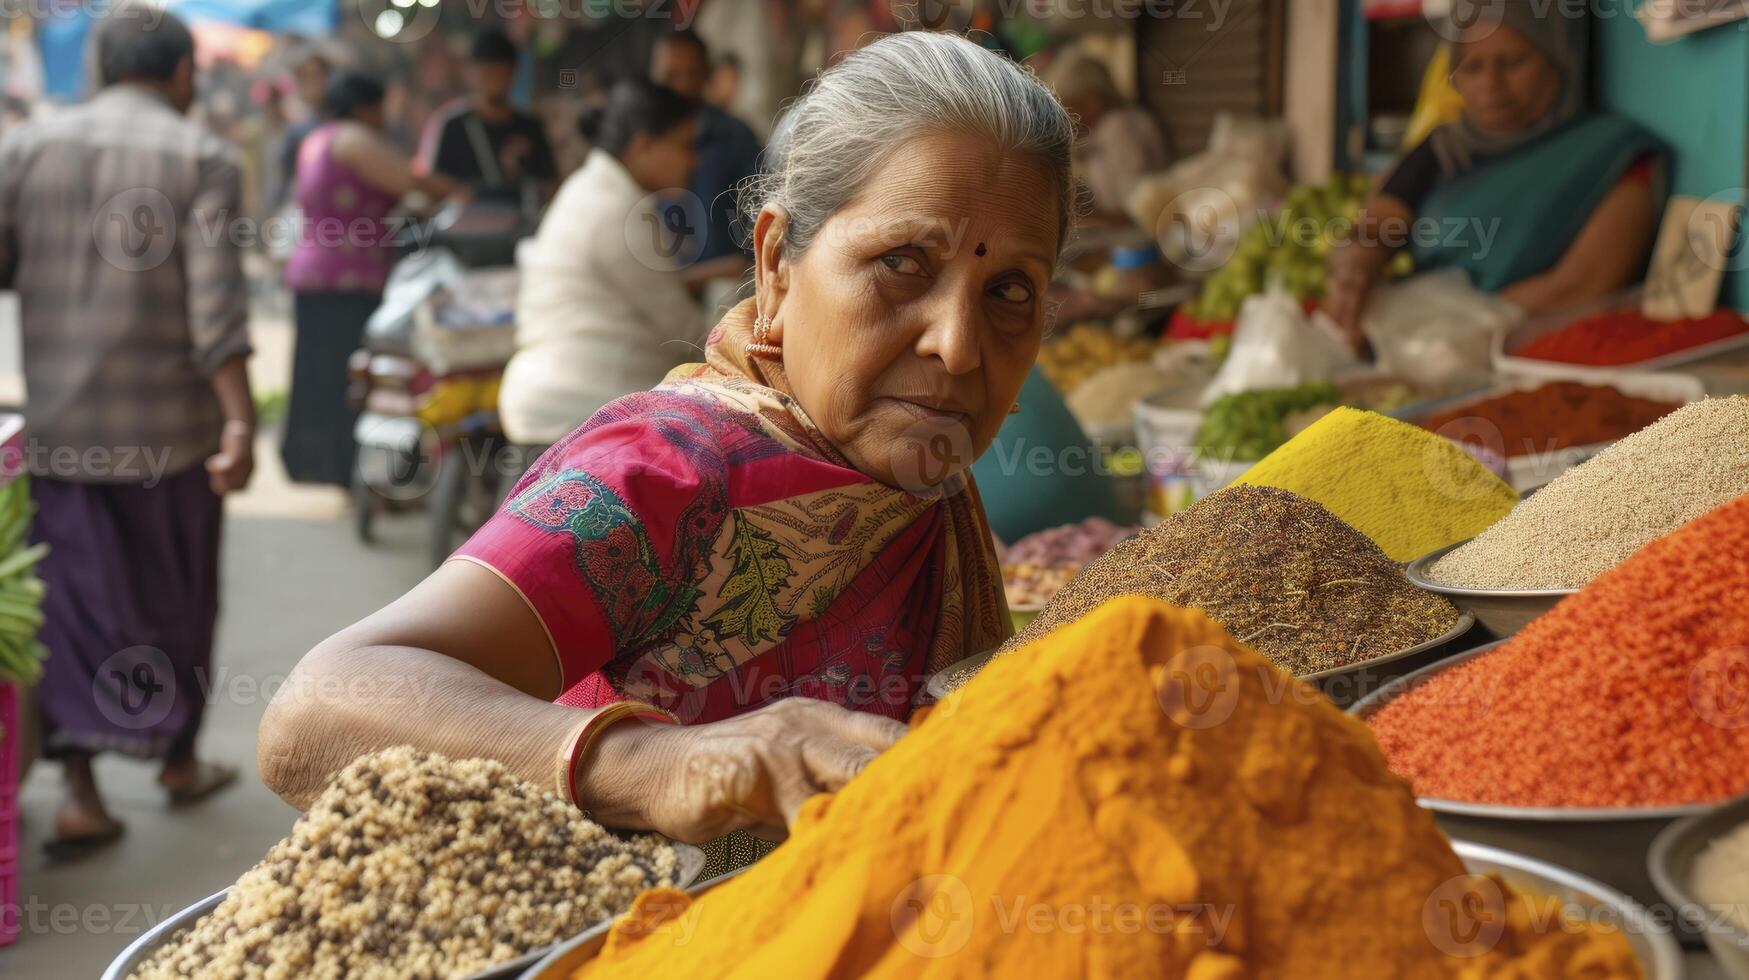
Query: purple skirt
{"type": "Point", "coordinates": [128, 618]}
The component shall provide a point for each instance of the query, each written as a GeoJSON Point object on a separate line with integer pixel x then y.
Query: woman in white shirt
{"type": "Point", "coordinates": [602, 311]}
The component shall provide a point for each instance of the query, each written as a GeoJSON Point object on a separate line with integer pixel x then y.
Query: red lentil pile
{"type": "Point", "coordinates": [1628, 694]}
{"type": "Point", "coordinates": [1629, 337]}
{"type": "Point", "coordinates": [1557, 415]}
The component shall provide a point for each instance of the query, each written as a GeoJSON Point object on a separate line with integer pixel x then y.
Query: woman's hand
{"type": "Point", "coordinates": [1350, 273]}
{"type": "Point", "coordinates": [750, 773]}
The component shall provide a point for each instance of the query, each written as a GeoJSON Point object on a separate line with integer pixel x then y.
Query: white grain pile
{"type": "Point", "coordinates": [1587, 520]}
{"type": "Point", "coordinates": [413, 866]}
{"type": "Point", "coordinates": [1720, 878]}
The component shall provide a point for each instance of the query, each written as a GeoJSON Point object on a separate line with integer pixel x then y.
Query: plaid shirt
{"type": "Point", "coordinates": [114, 230]}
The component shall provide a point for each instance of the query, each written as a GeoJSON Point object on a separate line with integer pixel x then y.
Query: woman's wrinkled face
{"type": "Point", "coordinates": [1507, 83]}
{"type": "Point", "coordinates": [910, 322]}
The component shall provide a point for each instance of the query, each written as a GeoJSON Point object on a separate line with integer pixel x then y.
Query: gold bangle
{"type": "Point", "coordinates": [576, 747]}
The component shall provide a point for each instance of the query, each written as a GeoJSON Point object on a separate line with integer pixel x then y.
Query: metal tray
{"type": "Point", "coordinates": [567, 956]}
{"type": "Point", "coordinates": [1531, 470]}
{"type": "Point", "coordinates": [140, 950]}
{"type": "Point", "coordinates": [1504, 611]}
{"type": "Point", "coordinates": [936, 687]}
{"type": "Point", "coordinates": [1507, 362]}
{"type": "Point", "coordinates": [1659, 956]}
{"type": "Point", "coordinates": [1671, 863]}
{"type": "Point", "coordinates": [1609, 844]}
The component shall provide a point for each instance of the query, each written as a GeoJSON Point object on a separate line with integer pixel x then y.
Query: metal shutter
{"type": "Point", "coordinates": [1188, 72]}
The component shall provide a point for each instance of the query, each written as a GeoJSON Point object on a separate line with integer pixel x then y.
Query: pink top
{"type": "Point", "coordinates": [343, 239]}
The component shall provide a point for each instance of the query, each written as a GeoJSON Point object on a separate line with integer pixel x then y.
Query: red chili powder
{"type": "Point", "coordinates": [1633, 692]}
{"type": "Point", "coordinates": [1557, 415]}
{"type": "Point", "coordinates": [1628, 337]}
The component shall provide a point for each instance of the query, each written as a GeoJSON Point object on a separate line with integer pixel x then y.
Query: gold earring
{"type": "Point", "coordinates": [761, 345]}
{"type": "Point", "coordinates": [1014, 409]}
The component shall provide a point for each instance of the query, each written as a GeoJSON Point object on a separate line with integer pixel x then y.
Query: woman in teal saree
{"type": "Point", "coordinates": [1539, 200]}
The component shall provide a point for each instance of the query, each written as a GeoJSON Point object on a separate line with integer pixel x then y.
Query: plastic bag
{"type": "Point", "coordinates": [1275, 345]}
{"type": "Point", "coordinates": [1435, 329]}
{"type": "Point", "coordinates": [1198, 207]}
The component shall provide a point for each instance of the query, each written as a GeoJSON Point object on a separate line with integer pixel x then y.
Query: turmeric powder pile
{"type": "Point", "coordinates": [1138, 796]}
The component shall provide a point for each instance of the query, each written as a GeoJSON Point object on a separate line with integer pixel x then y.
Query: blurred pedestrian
{"type": "Point", "coordinates": [348, 179]}
{"type": "Point", "coordinates": [725, 82]}
{"type": "Point", "coordinates": [728, 152]}
{"type": "Point", "coordinates": [310, 77]}
{"type": "Point", "coordinates": [595, 319]}
{"type": "Point", "coordinates": [139, 415]}
{"type": "Point", "coordinates": [484, 141]}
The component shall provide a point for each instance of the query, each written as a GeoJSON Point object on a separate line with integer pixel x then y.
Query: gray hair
{"type": "Point", "coordinates": [135, 47]}
{"type": "Point", "coordinates": [858, 112]}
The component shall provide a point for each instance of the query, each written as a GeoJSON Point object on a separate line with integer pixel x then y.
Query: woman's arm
{"type": "Point", "coordinates": [461, 665]}
{"type": "Point", "coordinates": [1608, 253]}
{"type": "Point", "coordinates": [386, 168]}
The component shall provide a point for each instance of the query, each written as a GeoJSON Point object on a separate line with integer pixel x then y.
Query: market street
{"type": "Point", "coordinates": [284, 590]}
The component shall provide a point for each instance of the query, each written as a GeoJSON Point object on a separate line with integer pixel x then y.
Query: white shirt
{"type": "Point", "coordinates": [599, 314]}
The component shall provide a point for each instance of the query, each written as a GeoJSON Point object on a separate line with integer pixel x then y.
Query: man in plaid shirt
{"type": "Point", "coordinates": [115, 229]}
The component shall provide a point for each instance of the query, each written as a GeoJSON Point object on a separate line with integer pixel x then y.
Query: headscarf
{"type": "Point", "coordinates": [1547, 26]}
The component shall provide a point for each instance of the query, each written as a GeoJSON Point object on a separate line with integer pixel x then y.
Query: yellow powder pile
{"type": "Point", "coordinates": [1406, 488]}
{"type": "Point", "coordinates": [1138, 796]}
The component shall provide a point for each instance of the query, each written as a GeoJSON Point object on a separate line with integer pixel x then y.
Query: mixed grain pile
{"type": "Point", "coordinates": [1591, 518]}
{"type": "Point", "coordinates": [414, 866]}
{"type": "Point", "coordinates": [1277, 571]}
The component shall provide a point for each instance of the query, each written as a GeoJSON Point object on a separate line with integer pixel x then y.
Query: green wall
{"type": "Point", "coordinates": [1694, 93]}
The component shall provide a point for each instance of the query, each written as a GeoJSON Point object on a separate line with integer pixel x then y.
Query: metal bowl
{"type": "Point", "coordinates": [140, 950]}
{"type": "Point", "coordinates": [1341, 684]}
{"type": "Point", "coordinates": [1671, 864]}
{"type": "Point", "coordinates": [562, 960]}
{"type": "Point", "coordinates": [1608, 844]}
{"type": "Point", "coordinates": [1504, 611]}
{"type": "Point", "coordinates": [1659, 956]}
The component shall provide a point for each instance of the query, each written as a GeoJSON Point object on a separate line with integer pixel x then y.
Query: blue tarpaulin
{"type": "Point", "coordinates": [307, 17]}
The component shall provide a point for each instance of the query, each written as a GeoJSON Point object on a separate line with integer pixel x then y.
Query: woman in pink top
{"type": "Point", "coordinates": [348, 180]}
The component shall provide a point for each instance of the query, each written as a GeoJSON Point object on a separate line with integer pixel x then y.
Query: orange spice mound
{"type": "Point", "coordinates": [1629, 693]}
{"type": "Point", "coordinates": [1138, 796]}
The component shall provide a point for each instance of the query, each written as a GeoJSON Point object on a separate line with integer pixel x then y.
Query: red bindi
{"type": "Point", "coordinates": [980, 251]}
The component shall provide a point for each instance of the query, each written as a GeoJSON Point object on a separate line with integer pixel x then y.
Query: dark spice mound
{"type": "Point", "coordinates": [1279, 572]}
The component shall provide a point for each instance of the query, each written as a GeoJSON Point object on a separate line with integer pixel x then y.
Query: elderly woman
{"type": "Point", "coordinates": [773, 548]}
{"type": "Point", "coordinates": [1569, 198]}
